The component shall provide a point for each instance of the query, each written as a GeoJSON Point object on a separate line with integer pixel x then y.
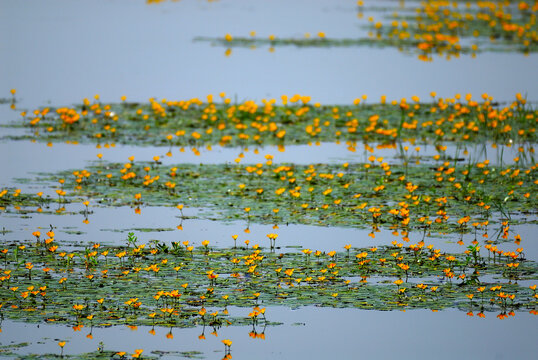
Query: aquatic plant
{"type": "Point", "coordinates": [195, 124]}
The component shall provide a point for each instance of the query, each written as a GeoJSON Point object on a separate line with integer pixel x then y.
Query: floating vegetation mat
{"type": "Point", "coordinates": [16, 199]}
{"type": "Point", "coordinates": [425, 29]}
{"type": "Point", "coordinates": [178, 285]}
{"type": "Point", "coordinates": [445, 197]}
{"type": "Point", "coordinates": [449, 28]}
{"type": "Point", "coordinates": [195, 123]}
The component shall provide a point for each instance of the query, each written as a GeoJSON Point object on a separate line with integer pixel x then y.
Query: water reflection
{"type": "Point", "coordinates": [62, 156]}
{"type": "Point", "coordinates": [309, 337]}
{"type": "Point", "coordinates": [162, 223]}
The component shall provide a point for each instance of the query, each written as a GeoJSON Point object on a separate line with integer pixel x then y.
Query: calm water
{"type": "Point", "coordinates": [314, 333]}
{"type": "Point", "coordinates": [60, 51]}
{"type": "Point", "coordinates": [64, 50]}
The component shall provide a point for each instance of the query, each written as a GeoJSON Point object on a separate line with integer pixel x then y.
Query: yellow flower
{"type": "Point", "coordinates": [227, 342]}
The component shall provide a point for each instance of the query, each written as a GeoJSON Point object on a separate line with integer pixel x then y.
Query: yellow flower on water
{"type": "Point", "coordinates": [227, 342]}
